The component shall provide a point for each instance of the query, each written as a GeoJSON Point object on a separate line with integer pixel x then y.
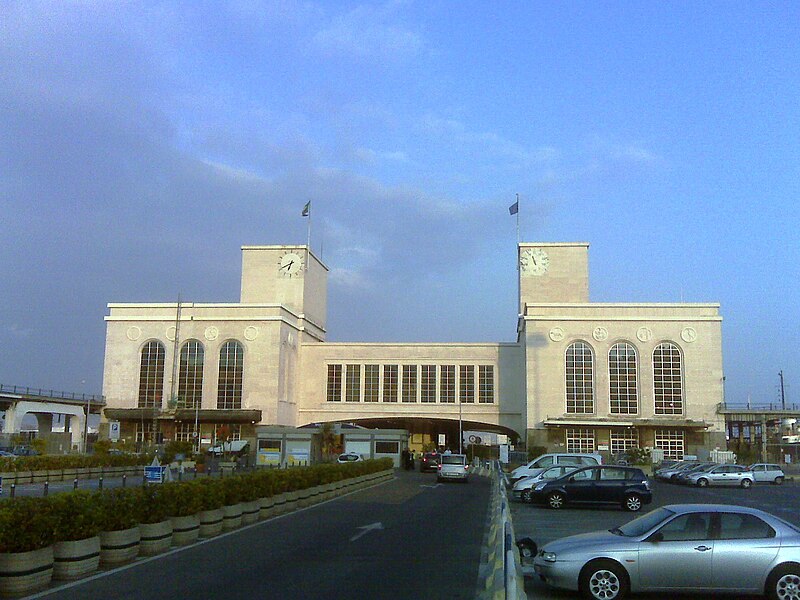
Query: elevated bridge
{"type": "Point", "coordinates": [18, 401]}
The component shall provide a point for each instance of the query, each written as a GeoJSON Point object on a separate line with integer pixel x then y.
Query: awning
{"type": "Point", "coordinates": [184, 414]}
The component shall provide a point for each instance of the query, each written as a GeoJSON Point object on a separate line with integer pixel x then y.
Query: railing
{"type": "Point", "coordinates": [41, 393]}
{"type": "Point", "coordinates": [756, 408]}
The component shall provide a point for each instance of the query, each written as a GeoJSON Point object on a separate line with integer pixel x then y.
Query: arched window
{"type": "Point", "coordinates": [667, 379]}
{"type": "Point", "coordinates": [580, 378]}
{"type": "Point", "coordinates": [231, 369]}
{"type": "Point", "coordinates": [623, 392]}
{"type": "Point", "coordinates": [190, 375]}
{"type": "Point", "coordinates": [151, 375]}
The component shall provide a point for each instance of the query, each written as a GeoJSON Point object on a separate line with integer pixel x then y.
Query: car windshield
{"type": "Point", "coordinates": [453, 459]}
{"type": "Point", "coordinates": [644, 523]}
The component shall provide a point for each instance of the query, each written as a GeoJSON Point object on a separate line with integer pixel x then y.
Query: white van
{"type": "Point", "coordinates": [539, 464]}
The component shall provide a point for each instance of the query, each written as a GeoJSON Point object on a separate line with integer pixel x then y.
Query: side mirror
{"type": "Point", "coordinates": [527, 548]}
{"type": "Point", "coordinates": [572, 479]}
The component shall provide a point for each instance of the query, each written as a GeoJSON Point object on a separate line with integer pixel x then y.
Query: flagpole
{"type": "Point", "coordinates": [519, 290]}
{"type": "Point", "coordinates": [308, 242]}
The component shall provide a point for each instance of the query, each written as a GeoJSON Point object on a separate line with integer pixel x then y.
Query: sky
{"type": "Point", "coordinates": [143, 143]}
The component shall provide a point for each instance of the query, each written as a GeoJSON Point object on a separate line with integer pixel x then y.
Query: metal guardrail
{"type": "Point", "coordinates": [42, 393]}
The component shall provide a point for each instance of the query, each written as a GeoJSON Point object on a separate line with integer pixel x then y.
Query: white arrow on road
{"type": "Point", "coordinates": [365, 529]}
{"type": "Point", "coordinates": [429, 486]}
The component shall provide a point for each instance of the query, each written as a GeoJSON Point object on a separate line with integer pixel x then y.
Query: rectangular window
{"type": "Point", "coordinates": [671, 442]}
{"type": "Point", "coordinates": [334, 383]}
{"type": "Point", "coordinates": [623, 439]}
{"type": "Point", "coordinates": [390, 383]}
{"type": "Point", "coordinates": [466, 388]}
{"type": "Point", "coordinates": [409, 383]}
{"type": "Point", "coordinates": [226, 432]}
{"type": "Point", "coordinates": [353, 384]}
{"type": "Point", "coordinates": [145, 432]}
{"type": "Point", "coordinates": [428, 383]}
{"type": "Point", "coordinates": [387, 447]}
{"type": "Point", "coordinates": [486, 384]}
{"type": "Point", "coordinates": [184, 432]}
{"type": "Point", "coordinates": [580, 440]}
{"type": "Point", "coordinates": [371, 381]}
{"type": "Point", "coordinates": [447, 384]}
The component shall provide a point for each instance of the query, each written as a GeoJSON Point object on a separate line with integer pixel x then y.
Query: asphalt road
{"type": "Point", "coordinates": [408, 538]}
{"type": "Point", "coordinates": [543, 524]}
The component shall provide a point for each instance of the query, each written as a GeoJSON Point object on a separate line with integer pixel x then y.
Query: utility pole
{"type": "Point", "coordinates": [783, 394]}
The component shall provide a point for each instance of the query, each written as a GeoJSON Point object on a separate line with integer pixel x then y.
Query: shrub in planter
{"type": "Point", "coordinates": [26, 551]}
{"type": "Point", "coordinates": [209, 492]}
{"type": "Point", "coordinates": [26, 524]}
{"type": "Point", "coordinates": [77, 549]}
{"type": "Point", "coordinates": [120, 511]}
{"type": "Point", "coordinates": [154, 526]}
{"type": "Point", "coordinates": [181, 500]}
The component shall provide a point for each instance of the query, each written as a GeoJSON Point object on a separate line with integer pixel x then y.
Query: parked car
{"type": "Point", "coordinates": [429, 462]}
{"type": "Point", "coordinates": [522, 489]}
{"type": "Point", "coordinates": [24, 451]}
{"type": "Point", "coordinates": [722, 475]}
{"type": "Point", "coordinates": [540, 463]}
{"type": "Point", "coordinates": [767, 473]}
{"type": "Point", "coordinates": [626, 486]}
{"type": "Point", "coordinates": [453, 466]}
{"type": "Point", "coordinates": [680, 548]}
{"type": "Point", "coordinates": [665, 474]}
{"type": "Point", "coordinates": [349, 457]}
{"type": "Point", "coordinates": [683, 475]}
{"type": "Point", "coordinates": [7, 454]}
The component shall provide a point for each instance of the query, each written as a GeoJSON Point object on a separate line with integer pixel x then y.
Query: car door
{"type": "Point", "coordinates": [580, 485]}
{"type": "Point", "coordinates": [743, 551]}
{"type": "Point", "coordinates": [610, 484]}
{"type": "Point", "coordinates": [759, 473]}
{"type": "Point", "coordinates": [679, 555]}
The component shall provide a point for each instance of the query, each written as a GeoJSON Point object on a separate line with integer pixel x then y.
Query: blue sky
{"type": "Point", "coordinates": [142, 144]}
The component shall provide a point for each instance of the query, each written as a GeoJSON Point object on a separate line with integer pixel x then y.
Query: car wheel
{"type": "Point", "coordinates": [778, 480]}
{"type": "Point", "coordinates": [556, 500]}
{"type": "Point", "coordinates": [633, 502]}
{"type": "Point", "coordinates": [746, 483]}
{"type": "Point", "coordinates": [784, 583]}
{"type": "Point", "coordinates": [526, 496]}
{"type": "Point", "coordinates": [702, 482]}
{"type": "Point", "coordinates": [603, 580]}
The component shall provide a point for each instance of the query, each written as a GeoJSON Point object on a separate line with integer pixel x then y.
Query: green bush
{"type": "Point", "coordinates": [120, 508]}
{"type": "Point", "coordinates": [154, 503]}
{"type": "Point", "coordinates": [181, 500]}
{"type": "Point", "coordinates": [26, 524]}
{"type": "Point", "coordinates": [77, 515]}
{"type": "Point", "coordinates": [209, 492]}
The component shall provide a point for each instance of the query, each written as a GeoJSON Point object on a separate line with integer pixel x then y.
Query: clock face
{"type": "Point", "coordinates": [291, 264]}
{"type": "Point", "coordinates": [534, 261]}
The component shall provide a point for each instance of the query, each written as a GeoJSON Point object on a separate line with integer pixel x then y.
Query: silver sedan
{"type": "Point", "coordinates": [722, 475]}
{"type": "Point", "coordinates": [680, 548]}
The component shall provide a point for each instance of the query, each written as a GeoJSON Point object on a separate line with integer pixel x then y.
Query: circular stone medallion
{"type": "Point", "coordinates": [556, 334]}
{"type": "Point", "coordinates": [600, 333]}
{"type": "Point", "coordinates": [688, 334]}
{"type": "Point", "coordinates": [250, 333]}
{"type": "Point", "coordinates": [644, 334]}
{"type": "Point", "coordinates": [211, 333]}
{"type": "Point", "coordinates": [133, 333]}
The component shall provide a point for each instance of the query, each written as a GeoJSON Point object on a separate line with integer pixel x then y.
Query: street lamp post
{"type": "Point", "coordinates": [460, 432]}
{"type": "Point", "coordinates": [86, 423]}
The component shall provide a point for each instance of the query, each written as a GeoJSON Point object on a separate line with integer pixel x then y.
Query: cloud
{"type": "Point", "coordinates": [369, 32]}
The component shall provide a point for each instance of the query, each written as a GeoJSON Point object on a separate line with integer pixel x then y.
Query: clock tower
{"type": "Point", "coordinates": [290, 276]}
{"type": "Point", "coordinates": [553, 273]}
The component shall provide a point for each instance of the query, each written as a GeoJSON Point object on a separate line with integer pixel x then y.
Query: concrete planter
{"type": "Point", "coordinates": [24, 572]}
{"type": "Point", "coordinates": [82, 473]}
{"type": "Point", "coordinates": [291, 503]}
{"type": "Point", "coordinates": [232, 516]}
{"type": "Point", "coordinates": [211, 522]}
{"type": "Point", "coordinates": [280, 504]}
{"type": "Point", "coordinates": [155, 537]}
{"type": "Point", "coordinates": [8, 478]}
{"type": "Point", "coordinates": [76, 559]}
{"type": "Point", "coordinates": [304, 497]}
{"type": "Point", "coordinates": [23, 477]}
{"type": "Point", "coordinates": [267, 507]}
{"type": "Point", "coordinates": [69, 474]}
{"type": "Point", "coordinates": [250, 511]}
{"type": "Point", "coordinates": [185, 530]}
{"type": "Point", "coordinates": [119, 547]}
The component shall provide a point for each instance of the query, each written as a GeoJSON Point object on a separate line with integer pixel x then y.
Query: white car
{"type": "Point", "coordinates": [767, 473]}
{"type": "Point", "coordinates": [453, 466]}
{"type": "Point", "coordinates": [522, 489]}
{"type": "Point", "coordinates": [722, 475]}
{"type": "Point", "coordinates": [540, 463]}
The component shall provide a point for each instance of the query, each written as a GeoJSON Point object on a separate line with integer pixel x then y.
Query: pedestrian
{"type": "Point", "coordinates": [404, 458]}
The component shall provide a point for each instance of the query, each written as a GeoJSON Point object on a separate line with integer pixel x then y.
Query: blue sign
{"type": "Point", "coordinates": [154, 474]}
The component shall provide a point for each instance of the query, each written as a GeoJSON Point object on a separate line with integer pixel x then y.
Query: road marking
{"type": "Point", "coordinates": [427, 485]}
{"type": "Point", "coordinates": [366, 529]}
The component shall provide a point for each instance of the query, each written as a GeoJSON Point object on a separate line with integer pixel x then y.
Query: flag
{"type": "Point", "coordinates": [306, 209]}
{"type": "Point", "coordinates": [514, 208]}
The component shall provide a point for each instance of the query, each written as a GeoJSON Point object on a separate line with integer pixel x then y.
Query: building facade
{"type": "Point", "coordinates": [580, 376]}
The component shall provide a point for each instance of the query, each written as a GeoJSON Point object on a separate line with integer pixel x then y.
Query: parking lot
{"type": "Point", "coordinates": [542, 524]}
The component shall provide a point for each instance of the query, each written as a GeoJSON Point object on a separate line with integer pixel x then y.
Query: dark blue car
{"type": "Point", "coordinates": [626, 486]}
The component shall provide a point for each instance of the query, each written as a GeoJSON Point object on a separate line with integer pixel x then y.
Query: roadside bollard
{"type": "Point", "coordinates": [124, 478]}
{"type": "Point", "coordinates": [100, 483]}
{"type": "Point", "coordinates": [13, 489]}
{"type": "Point", "coordinates": [195, 472]}
{"type": "Point", "coordinates": [180, 475]}
{"type": "Point", "coordinates": [75, 484]}
{"type": "Point", "coordinates": [46, 487]}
